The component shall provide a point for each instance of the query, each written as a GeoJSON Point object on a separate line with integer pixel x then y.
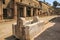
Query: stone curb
{"type": "Point", "coordinates": [1, 21]}
{"type": "Point", "coordinates": [50, 19]}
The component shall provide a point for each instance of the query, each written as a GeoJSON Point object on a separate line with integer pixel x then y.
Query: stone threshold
{"type": "Point", "coordinates": [6, 20]}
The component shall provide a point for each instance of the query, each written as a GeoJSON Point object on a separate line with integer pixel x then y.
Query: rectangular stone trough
{"type": "Point", "coordinates": [27, 30]}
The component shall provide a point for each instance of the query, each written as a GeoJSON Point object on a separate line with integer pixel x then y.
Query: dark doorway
{"type": "Point", "coordinates": [5, 14]}
{"type": "Point", "coordinates": [28, 12]}
{"type": "Point", "coordinates": [34, 12]}
{"type": "Point", "coordinates": [21, 12]}
{"type": "Point", "coordinates": [8, 13]}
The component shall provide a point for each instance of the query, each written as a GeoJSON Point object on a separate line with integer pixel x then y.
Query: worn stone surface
{"type": "Point", "coordinates": [27, 31]}
{"type": "Point", "coordinates": [8, 26]}
{"type": "Point", "coordinates": [53, 32]}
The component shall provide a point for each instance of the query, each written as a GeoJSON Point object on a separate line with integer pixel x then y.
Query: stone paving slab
{"type": "Point", "coordinates": [47, 18]}
{"type": "Point", "coordinates": [5, 29]}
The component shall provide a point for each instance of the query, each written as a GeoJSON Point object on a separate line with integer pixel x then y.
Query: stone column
{"type": "Point", "coordinates": [15, 11]}
{"type": "Point", "coordinates": [39, 12]}
{"type": "Point", "coordinates": [31, 12]}
{"type": "Point", "coordinates": [36, 12]}
{"type": "Point", "coordinates": [24, 11]}
{"type": "Point", "coordinates": [1, 10]}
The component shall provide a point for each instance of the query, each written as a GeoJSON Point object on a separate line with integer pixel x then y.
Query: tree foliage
{"type": "Point", "coordinates": [55, 3]}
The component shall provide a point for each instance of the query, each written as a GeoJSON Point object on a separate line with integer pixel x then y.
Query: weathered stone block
{"type": "Point", "coordinates": [27, 30]}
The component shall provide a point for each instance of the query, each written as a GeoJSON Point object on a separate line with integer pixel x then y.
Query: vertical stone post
{"type": "Point", "coordinates": [24, 11]}
{"type": "Point", "coordinates": [18, 15]}
{"type": "Point", "coordinates": [15, 10]}
{"type": "Point", "coordinates": [1, 10]}
{"type": "Point", "coordinates": [39, 12]}
{"type": "Point", "coordinates": [36, 12]}
{"type": "Point", "coordinates": [31, 12]}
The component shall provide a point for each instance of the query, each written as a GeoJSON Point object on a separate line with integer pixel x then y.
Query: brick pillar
{"type": "Point", "coordinates": [24, 11]}
{"type": "Point", "coordinates": [1, 11]}
{"type": "Point", "coordinates": [31, 12]}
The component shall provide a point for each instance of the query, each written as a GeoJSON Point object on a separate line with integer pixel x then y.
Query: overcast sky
{"type": "Point", "coordinates": [51, 1]}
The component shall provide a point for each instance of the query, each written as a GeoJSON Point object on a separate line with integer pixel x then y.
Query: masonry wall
{"type": "Point", "coordinates": [6, 3]}
{"type": "Point", "coordinates": [33, 3]}
{"type": "Point", "coordinates": [45, 9]}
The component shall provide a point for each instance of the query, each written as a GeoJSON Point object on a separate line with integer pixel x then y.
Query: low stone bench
{"type": "Point", "coordinates": [28, 29]}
